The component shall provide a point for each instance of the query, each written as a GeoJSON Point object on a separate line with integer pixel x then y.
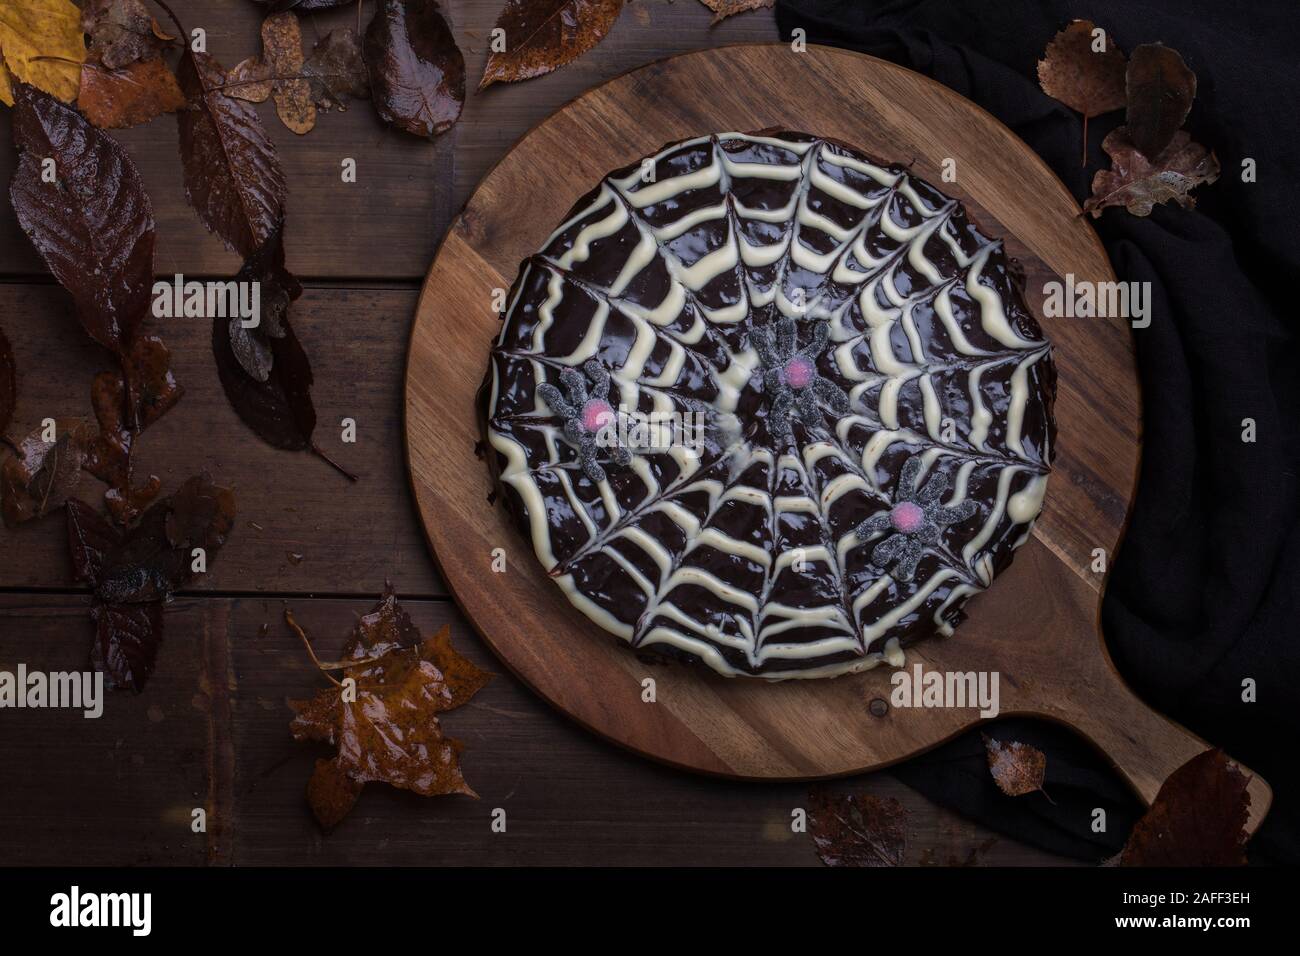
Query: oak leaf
{"type": "Point", "coordinates": [282, 53]}
{"type": "Point", "coordinates": [93, 225]}
{"type": "Point", "coordinates": [233, 177]}
{"type": "Point", "coordinates": [1197, 819]}
{"type": "Point", "coordinates": [1139, 184]}
{"type": "Point", "coordinates": [388, 731]}
{"type": "Point", "coordinates": [1017, 768]}
{"type": "Point", "coordinates": [857, 829]}
{"type": "Point", "coordinates": [416, 71]}
{"type": "Point", "coordinates": [128, 96]}
{"type": "Point", "coordinates": [543, 35]}
{"type": "Point", "coordinates": [729, 8]}
{"type": "Point", "coordinates": [41, 43]}
{"type": "Point", "coordinates": [1161, 88]}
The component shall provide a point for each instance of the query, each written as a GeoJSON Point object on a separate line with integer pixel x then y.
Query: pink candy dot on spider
{"type": "Point", "coordinates": [906, 517]}
{"type": "Point", "coordinates": [798, 372]}
{"type": "Point", "coordinates": [596, 414]}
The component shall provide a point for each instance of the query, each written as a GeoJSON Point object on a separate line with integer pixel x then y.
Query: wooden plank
{"type": "Point", "coordinates": [211, 730]}
{"type": "Point", "coordinates": [388, 223]}
{"type": "Point", "coordinates": [302, 527]}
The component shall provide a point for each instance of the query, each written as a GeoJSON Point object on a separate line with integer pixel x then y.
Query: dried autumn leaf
{"type": "Point", "coordinates": [390, 732]}
{"type": "Point", "coordinates": [42, 475]}
{"type": "Point", "coordinates": [729, 8]}
{"type": "Point", "coordinates": [232, 173]}
{"type": "Point", "coordinates": [1017, 768]}
{"type": "Point", "coordinates": [249, 79]}
{"type": "Point", "coordinates": [336, 69]}
{"type": "Point", "coordinates": [1197, 819]}
{"type": "Point", "coordinates": [544, 35]}
{"type": "Point", "coordinates": [8, 384]}
{"type": "Point", "coordinates": [1088, 81]}
{"type": "Point", "coordinates": [121, 32]}
{"type": "Point", "coordinates": [857, 829]}
{"type": "Point", "coordinates": [42, 44]}
{"type": "Point", "coordinates": [1139, 185]}
{"type": "Point", "coordinates": [93, 226]}
{"type": "Point", "coordinates": [135, 94]}
{"type": "Point", "coordinates": [282, 53]}
{"type": "Point", "coordinates": [276, 6]}
{"type": "Point", "coordinates": [1161, 88]}
{"type": "Point", "coordinates": [417, 73]}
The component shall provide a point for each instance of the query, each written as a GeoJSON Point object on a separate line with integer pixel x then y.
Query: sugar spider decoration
{"type": "Point", "coordinates": [917, 519]}
{"type": "Point", "coordinates": [790, 376]}
{"type": "Point", "coordinates": [585, 412]}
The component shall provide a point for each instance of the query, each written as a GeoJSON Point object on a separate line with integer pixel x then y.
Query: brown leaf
{"type": "Point", "coordinates": [249, 79]}
{"type": "Point", "coordinates": [1072, 72]}
{"type": "Point", "coordinates": [276, 6]}
{"type": "Point", "coordinates": [232, 173]}
{"type": "Point", "coordinates": [93, 226]}
{"type": "Point", "coordinates": [857, 829]}
{"type": "Point", "coordinates": [116, 99]}
{"type": "Point", "coordinates": [126, 643]}
{"type": "Point", "coordinates": [417, 73]}
{"type": "Point", "coordinates": [543, 35]}
{"type": "Point", "coordinates": [41, 43]}
{"type": "Point", "coordinates": [121, 32]}
{"type": "Point", "coordinates": [1139, 185]}
{"type": "Point", "coordinates": [729, 8]}
{"type": "Point", "coordinates": [1017, 768]}
{"type": "Point", "coordinates": [42, 475]}
{"type": "Point", "coordinates": [1197, 819]}
{"type": "Point", "coordinates": [1160, 93]}
{"type": "Point", "coordinates": [8, 384]}
{"type": "Point", "coordinates": [336, 69]}
{"type": "Point", "coordinates": [390, 733]}
{"type": "Point", "coordinates": [282, 52]}
{"type": "Point", "coordinates": [90, 539]}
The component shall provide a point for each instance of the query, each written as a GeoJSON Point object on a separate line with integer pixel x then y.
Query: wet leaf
{"type": "Point", "coordinates": [282, 53]}
{"type": "Point", "coordinates": [1085, 80]}
{"type": "Point", "coordinates": [41, 475]}
{"type": "Point", "coordinates": [729, 8]}
{"type": "Point", "coordinates": [1160, 93]}
{"type": "Point", "coordinates": [336, 70]}
{"type": "Point", "coordinates": [1017, 768]}
{"type": "Point", "coordinates": [121, 32]}
{"type": "Point", "coordinates": [857, 829]}
{"type": "Point", "coordinates": [543, 35]}
{"type": "Point", "coordinates": [390, 733]}
{"type": "Point", "coordinates": [42, 44]}
{"type": "Point", "coordinates": [417, 73]}
{"type": "Point", "coordinates": [249, 79]}
{"type": "Point", "coordinates": [1197, 819]}
{"type": "Point", "coordinates": [126, 643]}
{"type": "Point", "coordinates": [8, 384]}
{"type": "Point", "coordinates": [93, 226]}
{"type": "Point", "coordinates": [276, 6]}
{"type": "Point", "coordinates": [135, 94]}
{"type": "Point", "coordinates": [232, 173]}
{"type": "Point", "coordinates": [90, 539]}
{"type": "Point", "coordinates": [1139, 185]}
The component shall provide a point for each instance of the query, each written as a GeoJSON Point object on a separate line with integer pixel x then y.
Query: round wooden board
{"type": "Point", "coordinates": [1037, 627]}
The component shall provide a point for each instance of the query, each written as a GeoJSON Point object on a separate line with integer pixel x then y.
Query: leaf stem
{"type": "Point", "coordinates": [175, 20]}
{"type": "Point", "coordinates": [315, 450]}
{"type": "Point", "coordinates": [288, 619]}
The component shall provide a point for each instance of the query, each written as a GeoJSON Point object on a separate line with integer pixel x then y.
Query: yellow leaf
{"type": "Point", "coordinates": [38, 39]}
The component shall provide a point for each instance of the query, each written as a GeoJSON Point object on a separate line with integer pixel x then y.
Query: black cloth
{"type": "Point", "coordinates": [1205, 590]}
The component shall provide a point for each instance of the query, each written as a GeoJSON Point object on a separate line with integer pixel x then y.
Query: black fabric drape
{"type": "Point", "coordinates": [1205, 590]}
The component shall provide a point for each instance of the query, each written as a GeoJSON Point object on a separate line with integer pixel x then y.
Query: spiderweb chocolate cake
{"type": "Point", "coordinates": [763, 402]}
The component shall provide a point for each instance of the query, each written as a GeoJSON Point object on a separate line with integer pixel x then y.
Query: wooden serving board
{"type": "Point", "coordinates": [1037, 626]}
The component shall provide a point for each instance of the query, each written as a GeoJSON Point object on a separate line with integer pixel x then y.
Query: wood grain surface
{"type": "Point", "coordinates": [1037, 627]}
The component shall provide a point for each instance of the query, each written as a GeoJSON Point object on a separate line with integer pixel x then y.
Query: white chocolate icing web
{"type": "Point", "coordinates": [877, 398]}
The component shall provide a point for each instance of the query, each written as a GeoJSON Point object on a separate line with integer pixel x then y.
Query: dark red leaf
{"type": "Point", "coordinates": [543, 35]}
{"type": "Point", "coordinates": [1160, 90]}
{"type": "Point", "coordinates": [1197, 819]}
{"type": "Point", "coordinates": [90, 539]}
{"type": "Point", "coordinates": [126, 642]}
{"type": "Point", "coordinates": [417, 73]}
{"type": "Point", "coordinates": [232, 173]}
{"type": "Point", "coordinates": [93, 225]}
{"type": "Point", "coordinates": [857, 830]}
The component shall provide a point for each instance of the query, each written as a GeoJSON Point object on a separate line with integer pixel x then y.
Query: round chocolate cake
{"type": "Point", "coordinates": [764, 402]}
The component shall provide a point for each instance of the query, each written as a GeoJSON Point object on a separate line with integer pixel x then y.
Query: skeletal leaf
{"type": "Point", "coordinates": [1017, 768]}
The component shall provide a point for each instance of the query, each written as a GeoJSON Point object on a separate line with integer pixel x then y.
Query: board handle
{"type": "Point", "coordinates": [1144, 746]}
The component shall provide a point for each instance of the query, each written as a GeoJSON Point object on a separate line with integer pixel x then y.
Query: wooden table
{"type": "Point", "coordinates": [211, 729]}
